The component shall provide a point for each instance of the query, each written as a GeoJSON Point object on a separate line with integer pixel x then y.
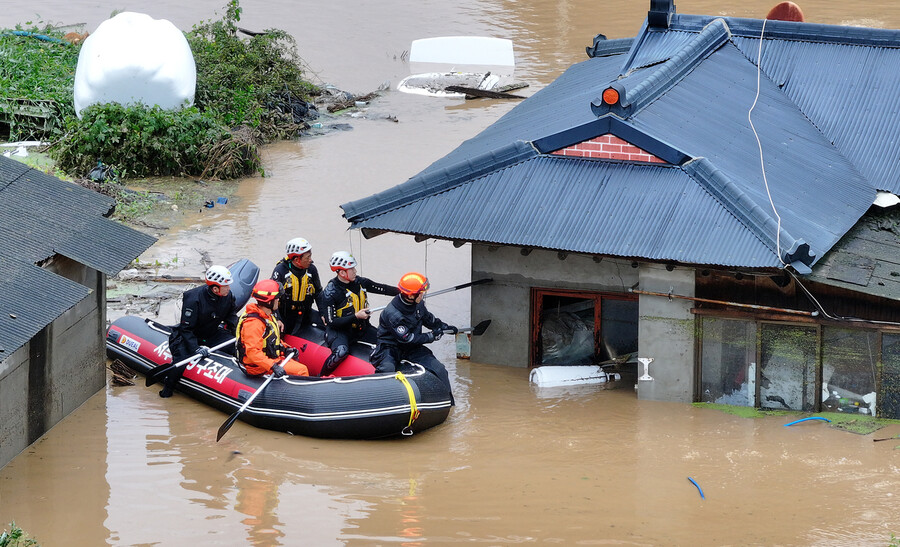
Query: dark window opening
{"type": "Point", "coordinates": [582, 328]}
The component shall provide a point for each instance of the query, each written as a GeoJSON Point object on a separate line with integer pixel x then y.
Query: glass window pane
{"type": "Point", "coordinates": [567, 330]}
{"type": "Point", "coordinates": [788, 367]}
{"type": "Point", "coordinates": [618, 328]}
{"type": "Point", "coordinates": [727, 362]}
{"type": "Point", "coordinates": [889, 405]}
{"type": "Point", "coordinates": [849, 366]}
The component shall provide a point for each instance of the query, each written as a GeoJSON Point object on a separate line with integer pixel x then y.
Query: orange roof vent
{"type": "Point", "coordinates": [610, 96]}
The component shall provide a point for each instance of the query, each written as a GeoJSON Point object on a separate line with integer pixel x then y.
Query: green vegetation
{"type": "Point", "coordinates": [256, 82]}
{"type": "Point", "coordinates": [16, 537]}
{"type": "Point", "coordinates": [37, 71]}
{"type": "Point", "coordinates": [854, 423]}
{"type": "Point", "coordinates": [144, 142]}
{"type": "Point", "coordinates": [742, 411]}
{"type": "Point", "coordinates": [249, 91]}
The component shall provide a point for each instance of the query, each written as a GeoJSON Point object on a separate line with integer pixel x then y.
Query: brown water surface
{"type": "Point", "coordinates": [513, 464]}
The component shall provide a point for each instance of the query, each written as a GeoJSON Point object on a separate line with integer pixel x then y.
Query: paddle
{"type": "Point", "coordinates": [887, 438]}
{"type": "Point", "coordinates": [443, 291]}
{"type": "Point", "coordinates": [477, 330]}
{"type": "Point", "coordinates": [231, 419]}
{"type": "Point", "coordinates": [159, 371]}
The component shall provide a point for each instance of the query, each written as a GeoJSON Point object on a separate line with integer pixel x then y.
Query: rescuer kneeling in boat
{"type": "Point", "coordinates": [259, 348]}
{"type": "Point", "coordinates": [400, 333]}
{"type": "Point", "coordinates": [302, 287]}
{"type": "Point", "coordinates": [207, 319]}
{"type": "Point", "coordinates": [346, 311]}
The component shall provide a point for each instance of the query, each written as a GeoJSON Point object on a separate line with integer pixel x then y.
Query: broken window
{"type": "Point", "coordinates": [889, 405]}
{"type": "Point", "coordinates": [849, 369]}
{"type": "Point", "coordinates": [788, 357]}
{"type": "Point", "coordinates": [582, 328]}
{"type": "Point", "coordinates": [728, 361]}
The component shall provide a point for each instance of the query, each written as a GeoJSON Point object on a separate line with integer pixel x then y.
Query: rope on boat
{"type": "Point", "coordinates": [413, 410]}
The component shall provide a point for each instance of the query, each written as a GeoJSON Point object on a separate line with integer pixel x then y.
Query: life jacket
{"type": "Point", "coordinates": [271, 338]}
{"type": "Point", "coordinates": [299, 288]}
{"type": "Point", "coordinates": [353, 303]}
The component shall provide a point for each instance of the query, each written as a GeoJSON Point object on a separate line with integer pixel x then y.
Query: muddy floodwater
{"type": "Point", "coordinates": [513, 464]}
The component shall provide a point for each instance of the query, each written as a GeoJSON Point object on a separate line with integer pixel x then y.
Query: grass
{"type": "Point", "coordinates": [854, 423]}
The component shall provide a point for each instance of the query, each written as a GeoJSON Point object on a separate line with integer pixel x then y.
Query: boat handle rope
{"type": "Point", "coordinates": [413, 411]}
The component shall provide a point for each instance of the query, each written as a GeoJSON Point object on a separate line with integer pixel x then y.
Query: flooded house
{"type": "Point", "coordinates": [57, 249]}
{"type": "Point", "coordinates": [716, 197]}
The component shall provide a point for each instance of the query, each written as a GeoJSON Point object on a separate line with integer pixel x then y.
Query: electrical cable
{"type": "Point", "coordinates": [762, 163]}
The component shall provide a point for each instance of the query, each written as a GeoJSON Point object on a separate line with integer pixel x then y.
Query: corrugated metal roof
{"type": "Point", "coordinates": [586, 206]}
{"type": "Point", "coordinates": [42, 216]}
{"type": "Point", "coordinates": [693, 97]}
{"type": "Point", "coordinates": [847, 102]}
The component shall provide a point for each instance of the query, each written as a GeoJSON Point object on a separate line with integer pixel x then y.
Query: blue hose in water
{"type": "Point", "coordinates": [805, 419]}
{"type": "Point", "coordinates": [698, 488]}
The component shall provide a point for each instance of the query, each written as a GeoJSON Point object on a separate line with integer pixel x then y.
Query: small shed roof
{"type": "Point", "coordinates": [40, 217]}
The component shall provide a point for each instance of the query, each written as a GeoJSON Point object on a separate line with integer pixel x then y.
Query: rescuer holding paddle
{"type": "Point", "coordinates": [400, 333]}
{"type": "Point", "coordinates": [259, 347]}
{"type": "Point", "coordinates": [207, 319]}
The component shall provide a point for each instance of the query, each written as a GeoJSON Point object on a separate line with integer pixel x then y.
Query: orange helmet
{"type": "Point", "coordinates": [413, 283]}
{"type": "Point", "coordinates": [266, 291]}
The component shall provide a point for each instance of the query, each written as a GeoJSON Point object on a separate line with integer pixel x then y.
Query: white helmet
{"type": "Point", "coordinates": [297, 247]}
{"type": "Point", "coordinates": [342, 260]}
{"type": "Point", "coordinates": [219, 276]}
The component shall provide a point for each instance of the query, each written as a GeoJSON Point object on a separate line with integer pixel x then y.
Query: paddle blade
{"type": "Point", "coordinates": [481, 327]}
{"type": "Point", "coordinates": [227, 425]}
{"type": "Point", "coordinates": [154, 375]}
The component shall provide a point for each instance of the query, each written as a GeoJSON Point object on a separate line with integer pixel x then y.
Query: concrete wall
{"type": "Point", "coordinates": [666, 333]}
{"type": "Point", "coordinates": [57, 370]}
{"type": "Point", "coordinates": [507, 300]}
{"type": "Point", "coordinates": [13, 404]}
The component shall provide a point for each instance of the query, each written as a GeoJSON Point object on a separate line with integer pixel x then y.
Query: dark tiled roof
{"type": "Point", "coordinates": [826, 115]}
{"type": "Point", "coordinates": [42, 216]}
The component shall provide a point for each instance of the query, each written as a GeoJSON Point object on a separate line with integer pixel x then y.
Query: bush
{"type": "Point", "coordinates": [16, 537]}
{"type": "Point", "coordinates": [140, 142]}
{"type": "Point", "coordinates": [256, 82]}
{"type": "Point", "coordinates": [36, 66]}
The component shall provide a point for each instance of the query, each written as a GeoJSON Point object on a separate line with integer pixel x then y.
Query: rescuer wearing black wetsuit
{"type": "Point", "coordinates": [207, 319]}
{"type": "Point", "coordinates": [299, 278]}
{"type": "Point", "coordinates": [346, 309]}
{"type": "Point", "coordinates": [400, 335]}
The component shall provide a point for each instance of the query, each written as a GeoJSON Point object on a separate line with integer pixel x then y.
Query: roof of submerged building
{"type": "Point", "coordinates": [41, 217]}
{"type": "Point", "coordinates": [703, 140]}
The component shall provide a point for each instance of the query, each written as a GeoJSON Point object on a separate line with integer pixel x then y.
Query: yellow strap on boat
{"type": "Point", "coordinates": [413, 411]}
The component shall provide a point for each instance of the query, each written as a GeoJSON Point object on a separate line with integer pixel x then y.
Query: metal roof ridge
{"type": "Point", "coordinates": [430, 182]}
{"type": "Point", "coordinates": [711, 38]}
{"type": "Point", "coordinates": [792, 30]}
{"type": "Point", "coordinates": [794, 251]}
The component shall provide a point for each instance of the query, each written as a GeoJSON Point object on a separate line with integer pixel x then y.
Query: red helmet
{"type": "Point", "coordinates": [413, 283]}
{"type": "Point", "coordinates": [266, 291]}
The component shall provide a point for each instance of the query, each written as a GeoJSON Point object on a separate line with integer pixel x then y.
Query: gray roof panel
{"type": "Point", "coordinates": [40, 217]}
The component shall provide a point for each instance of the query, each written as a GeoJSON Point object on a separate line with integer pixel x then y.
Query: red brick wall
{"type": "Point", "coordinates": [609, 147]}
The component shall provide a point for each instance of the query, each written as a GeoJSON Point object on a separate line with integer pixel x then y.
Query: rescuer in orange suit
{"type": "Point", "coordinates": [259, 347]}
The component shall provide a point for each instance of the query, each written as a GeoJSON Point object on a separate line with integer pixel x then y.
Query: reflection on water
{"type": "Point", "coordinates": [513, 464]}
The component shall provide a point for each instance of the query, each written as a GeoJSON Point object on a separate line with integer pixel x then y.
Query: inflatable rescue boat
{"type": "Point", "coordinates": [353, 403]}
